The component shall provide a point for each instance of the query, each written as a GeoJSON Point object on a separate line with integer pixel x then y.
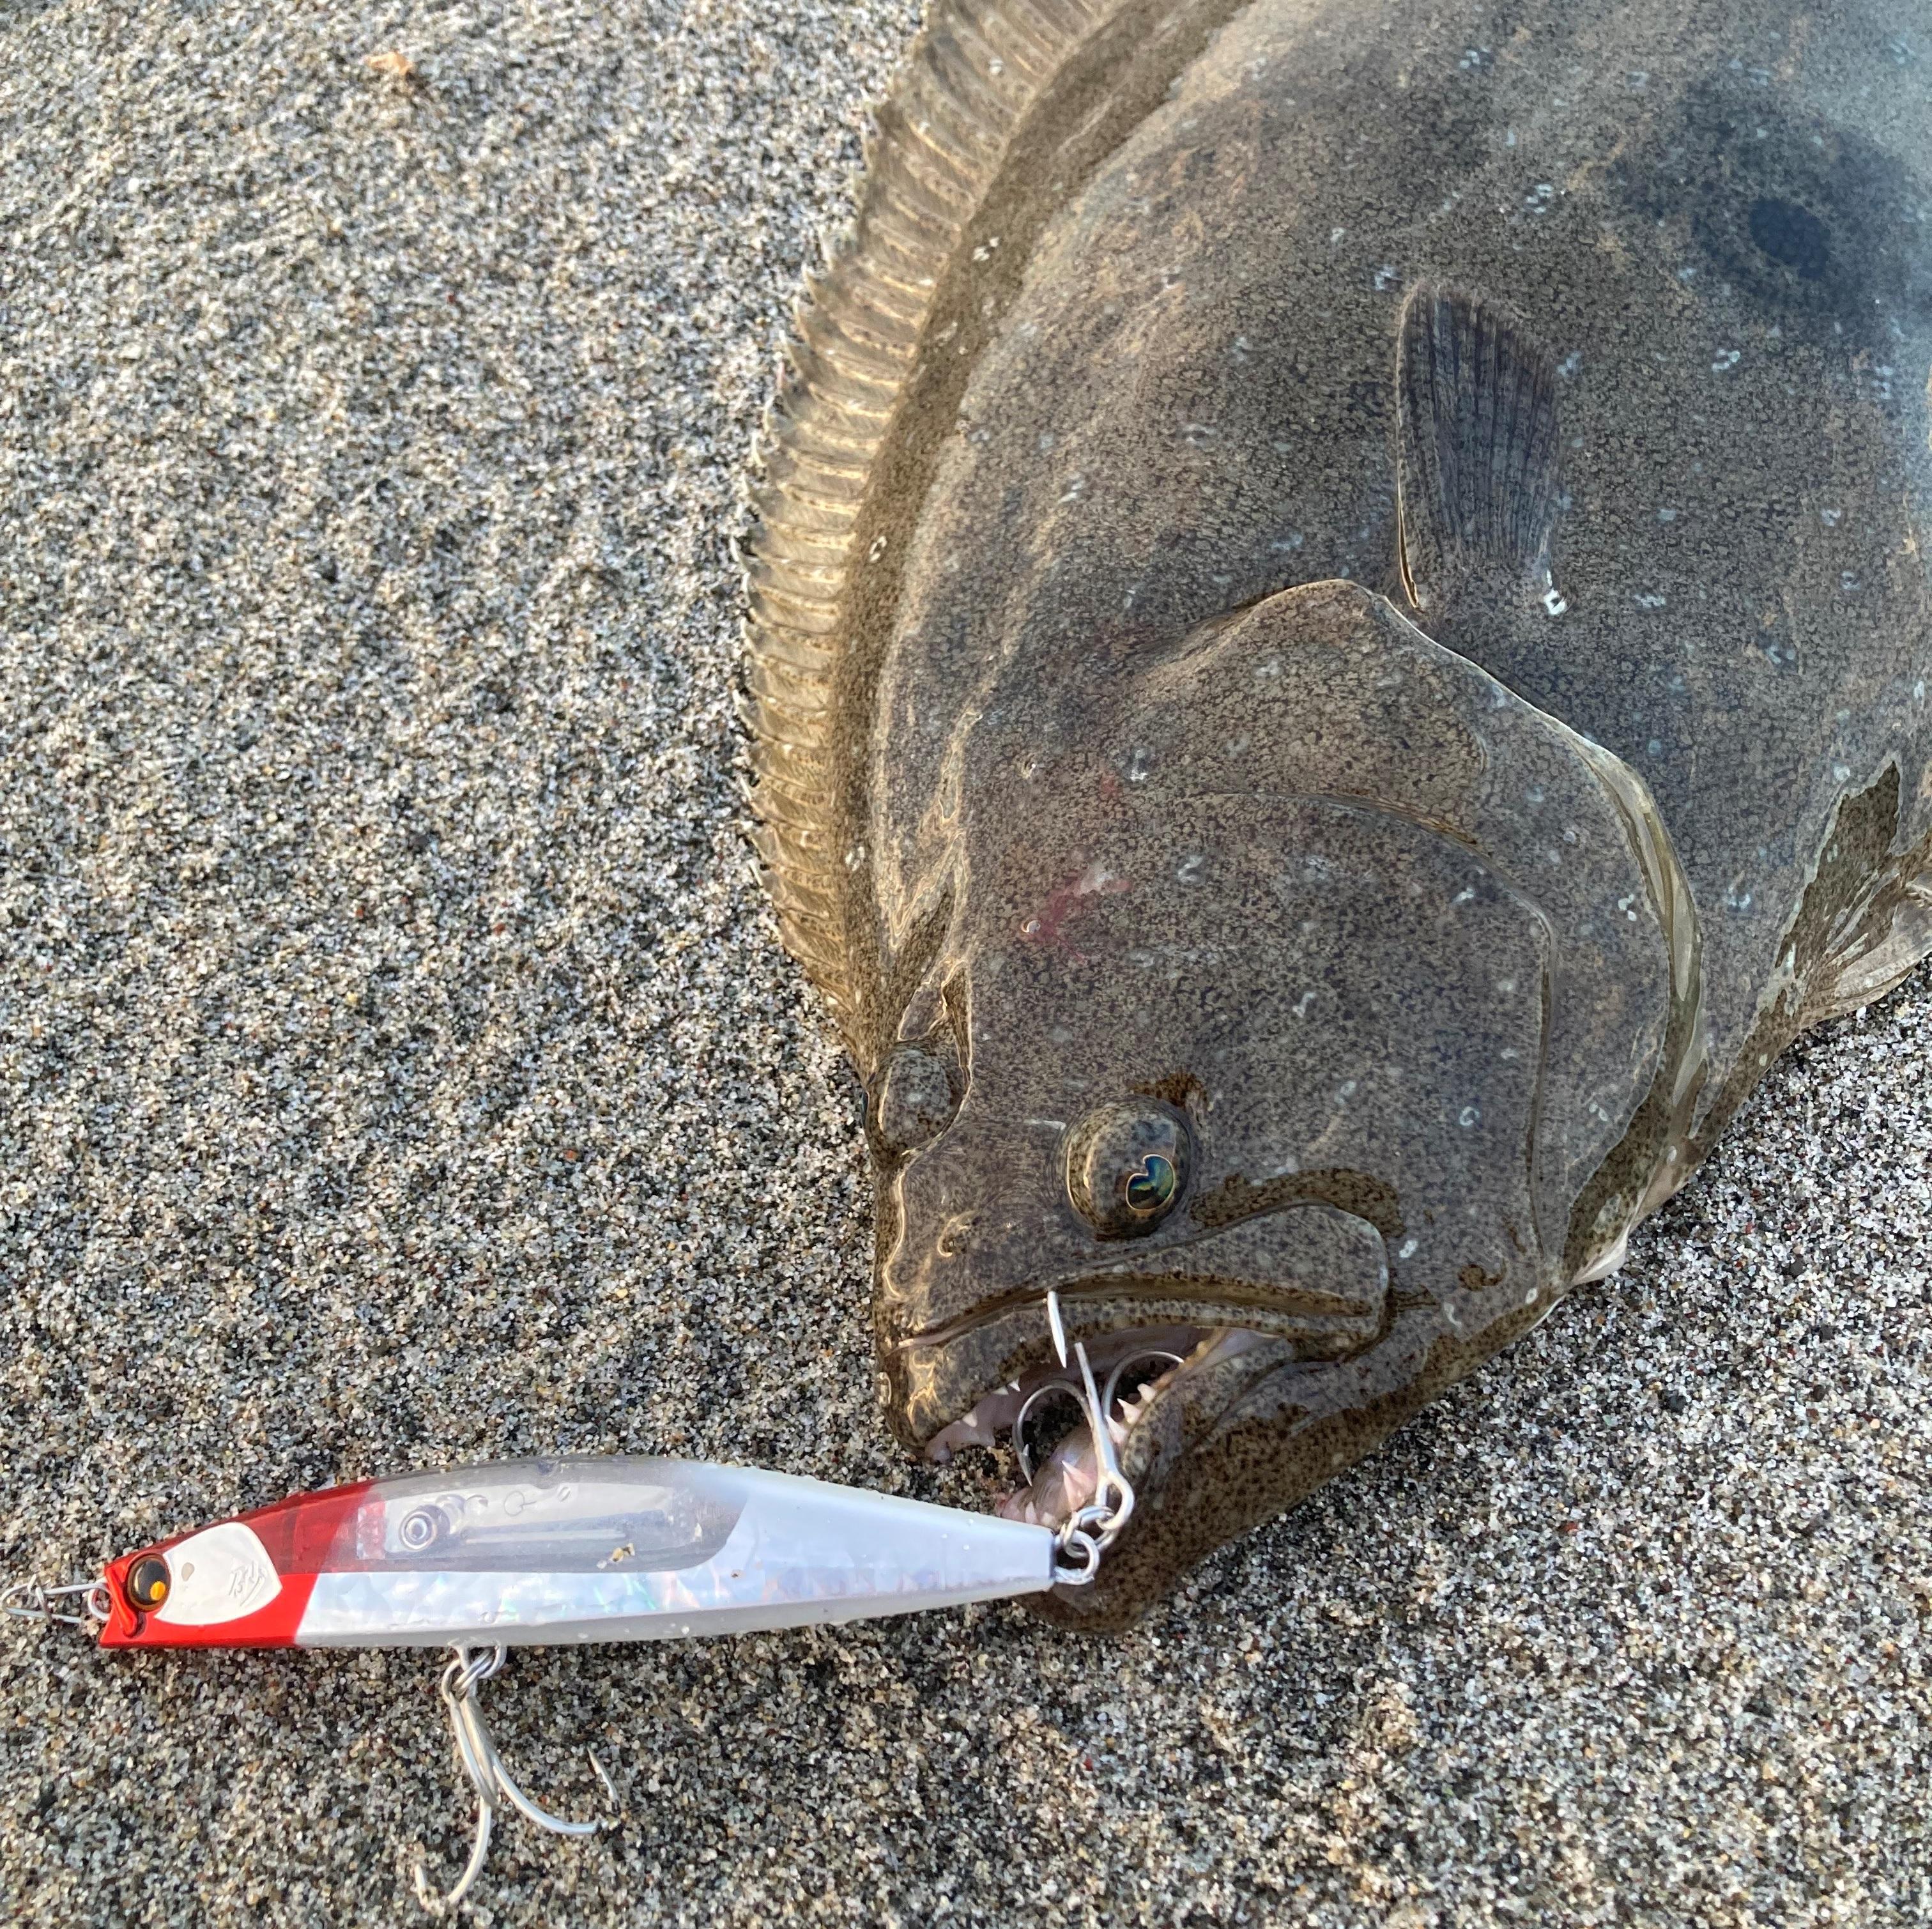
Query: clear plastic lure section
{"type": "Point", "coordinates": [564, 1550]}
{"type": "Point", "coordinates": [570, 1516]}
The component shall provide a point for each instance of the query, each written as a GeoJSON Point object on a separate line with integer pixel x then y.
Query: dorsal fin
{"type": "Point", "coordinates": [1476, 403]}
{"type": "Point", "coordinates": [941, 139]}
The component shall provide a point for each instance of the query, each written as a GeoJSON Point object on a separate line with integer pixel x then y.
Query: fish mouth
{"type": "Point", "coordinates": [1173, 1332]}
{"type": "Point", "coordinates": [1042, 1417]}
{"type": "Point", "coordinates": [1307, 1273]}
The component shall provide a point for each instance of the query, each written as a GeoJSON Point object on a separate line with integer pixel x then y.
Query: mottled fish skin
{"type": "Point", "coordinates": [1438, 803]}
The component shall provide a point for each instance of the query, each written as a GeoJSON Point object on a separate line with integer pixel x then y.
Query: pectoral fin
{"type": "Point", "coordinates": [1477, 460]}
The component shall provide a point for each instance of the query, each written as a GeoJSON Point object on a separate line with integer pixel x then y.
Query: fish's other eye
{"type": "Point", "coordinates": [916, 1097]}
{"type": "Point", "coordinates": [148, 1583]}
{"type": "Point", "coordinates": [1127, 1166]}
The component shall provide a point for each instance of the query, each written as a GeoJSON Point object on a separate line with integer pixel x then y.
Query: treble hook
{"type": "Point", "coordinates": [494, 1785]}
{"type": "Point", "coordinates": [1096, 1527]}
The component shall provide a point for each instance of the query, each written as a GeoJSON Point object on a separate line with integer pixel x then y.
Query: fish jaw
{"type": "Point", "coordinates": [1222, 1450]}
{"type": "Point", "coordinates": [1246, 1433]}
{"type": "Point", "coordinates": [1244, 1428]}
{"type": "Point", "coordinates": [1174, 1332]}
{"type": "Point", "coordinates": [1172, 1393]}
{"type": "Point", "coordinates": [1237, 1429]}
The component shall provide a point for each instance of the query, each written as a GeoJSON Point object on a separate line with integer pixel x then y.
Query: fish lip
{"type": "Point", "coordinates": [1119, 1276]}
{"type": "Point", "coordinates": [933, 1392]}
{"type": "Point", "coordinates": [1206, 1316]}
{"type": "Point", "coordinates": [1073, 1287]}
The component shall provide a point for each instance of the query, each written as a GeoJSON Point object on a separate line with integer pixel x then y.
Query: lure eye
{"type": "Point", "coordinates": [148, 1583]}
{"type": "Point", "coordinates": [1127, 1165]}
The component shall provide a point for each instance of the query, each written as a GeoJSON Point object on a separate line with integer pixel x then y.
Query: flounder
{"type": "Point", "coordinates": [1339, 647]}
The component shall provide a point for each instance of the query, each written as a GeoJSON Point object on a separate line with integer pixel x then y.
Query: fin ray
{"type": "Point", "coordinates": [978, 70]}
{"type": "Point", "coordinates": [1476, 403]}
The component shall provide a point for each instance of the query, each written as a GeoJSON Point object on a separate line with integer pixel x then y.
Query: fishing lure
{"type": "Point", "coordinates": [576, 1549]}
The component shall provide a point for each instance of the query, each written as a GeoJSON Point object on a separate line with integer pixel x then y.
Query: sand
{"type": "Point", "coordinates": [397, 1067]}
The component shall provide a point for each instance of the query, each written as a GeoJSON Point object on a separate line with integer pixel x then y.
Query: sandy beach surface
{"type": "Point", "coordinates": [398, 1068]}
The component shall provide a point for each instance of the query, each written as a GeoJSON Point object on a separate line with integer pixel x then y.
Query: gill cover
{"type": "Point", "coordinates": [1411, 964]}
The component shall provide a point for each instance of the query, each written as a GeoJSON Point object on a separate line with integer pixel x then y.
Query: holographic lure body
{"type": "Point", "coordinates": [575, 1549]}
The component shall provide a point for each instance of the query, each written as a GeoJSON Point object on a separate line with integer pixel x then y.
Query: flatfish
{"type": "Point", "coordinates": [1338, 646]}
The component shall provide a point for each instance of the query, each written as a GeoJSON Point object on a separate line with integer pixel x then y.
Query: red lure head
{"type": "Point", "coordinates": [241, 1583]}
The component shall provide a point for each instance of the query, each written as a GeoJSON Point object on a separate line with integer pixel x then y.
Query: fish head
{"type": "Point", "coordinates": [1313, 1020]}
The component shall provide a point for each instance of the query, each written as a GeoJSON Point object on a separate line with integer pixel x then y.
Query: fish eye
{"type": "Point", "coordinates": [915, 1099]}
{"type": "Point", "coordinates": [148, 1583]}
{"type": "Point", "coordinates": [1127, 1166]}
{"type": "Point", "coordinates": [1152, 1188]}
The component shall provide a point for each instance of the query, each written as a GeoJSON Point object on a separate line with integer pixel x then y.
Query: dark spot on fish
{"type": "Point", "coordinates": [1791, 235]}
{"type": "Point", "coordinates": [1237, 1199]}
{"type": "Point", "coordinates": [1473, 1279]}
{"type": "Point", "coordinates": [1179, 1089]}
{"type": "Point", "coordinates": [1801, 217]}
